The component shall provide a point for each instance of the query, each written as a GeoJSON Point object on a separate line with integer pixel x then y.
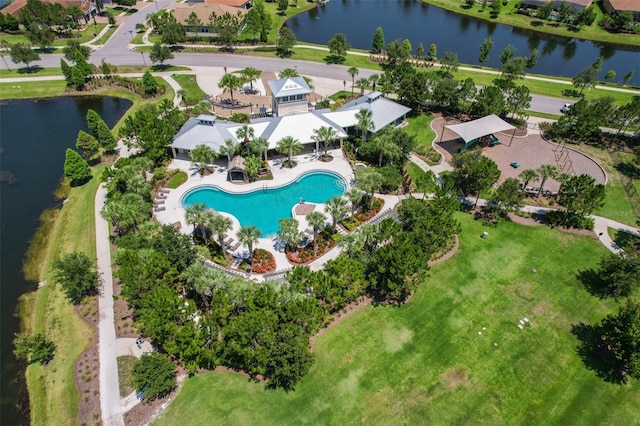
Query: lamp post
{"type": "Point", "coordinates": [344, 85]}
{"type": "Point", "coordinates": [225, 70]}
{"type": "Point", "coordinates": [156, 2]}
{"type": "Point", "coordinates": [143, 60]}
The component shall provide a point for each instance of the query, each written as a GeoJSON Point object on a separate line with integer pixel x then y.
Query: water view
{"type": "Point", "coordinates": [428, 24]}
{"type": "Point", "coordinates": [33, 137]}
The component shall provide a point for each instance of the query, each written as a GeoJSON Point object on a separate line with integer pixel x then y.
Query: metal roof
{"type": "Point", "coordinates": [289, 86]}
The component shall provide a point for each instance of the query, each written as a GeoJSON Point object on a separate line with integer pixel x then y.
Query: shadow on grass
{"type": "Point", "coordinates": [595, 353]}
{"type": "Point", "coordinates": [629, 170]}
{"type": "Point", "coordinates": [593, 283]}
{"type": "Point", "coordinates": [333, 59]}
{"type": "Point", "coordinates": [34, 69]}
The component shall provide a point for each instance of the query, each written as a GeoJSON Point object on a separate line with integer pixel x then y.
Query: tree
{"type": "Point", "coordinates": [126, 212]}
{"type": "Point", "coordinates": [172, 32]}
{"type": "Point", "coordinates": [39, 35]}
{"type": "Point", "coordinates": [76, 275]}
{"type": "Point", "coordinates": [248, 236]}
{"type": "Point", "coordinates": [34, 348]}
{"type": "Point", "coordinates": [564, 12]}
{"type": "Point", "coordinates": [378, 41]}
{"type": "Point", "coordinates": [154, 375]}
{"type": "Point", "coordinates": [230, 82]}
{"type": "Point", "coordinates": [527, 176]}
{"type": "Point", "coordinates": [544, 11]}
{"type": "Point", "coordinates": [532, 60]}
{"type": "Point", "coordinates": [316, 220]}
{"type": "Point", "coordinates": [496, 8]}
{"type": "Point", "coordinates": [160, 53]}
{"type": "Point", "coordinates": [449, 63]}
{"type": "Point", "coordinates": [432, 55]}
{"type": "Point", "coordinates": [490, 100]}
{"type": "Point", "coordinates": [100, 130]}
{"type": "Point", "coordinates": [87, 144]}
{"type": "Point", "coordinates": [227, 26]}
{"type": "Point", "coordinates": [258, 21]}
{"type": "Point", "coordinates": [545, 172]}
{"type": "Point", "coordinates": [507, 53]}
{"type": "Point", "coordinates": [22, 53]}
{"type": "Point", "coordinates": [72, 46]}
{"type": "Point", "coordinates": [518, 101]}
{"type": "Point", "coordinates": [253, 164]}
{"type": "Point", "coordinates": [250, 74]}
{"type": "Point", "coordinates": [618, 272]}
{"type": "Point", "coordinates": [230, 148]}
{"type": "Point", "coordinates": [352, 71]}
{"type": "Point", "coordinates": [386, 147]}
{"type": "Point", "coordinates": [338, 45]}
{"type": "Point", "coordinates": [149, 83]}
{"type": "Point", "coordinates": [289, 359]}
{"type": "Point", "coordinates": [201, 157]}
{"type": "Point", "coordinates": [581, 194]}
{"type": "Point", "coordinates": [219, 225]}
{"type": "Point", "coordinates": [76, 167]}
{"type": "Point", "coordinates": [288, 232]}
{"type": "Point", "coordinates": [474, 172]}
{"type": "Point", "coordinates": [508, 197]}
{"type": "Point", "coordinates": [610, 75]}
{"type": "Point", "coordinates": [260, 146]}
{"type": "Point", "coordinates": [194, 21]}
{"type": "Point", "coordinates": [485, 49]}
{"type": "Point", "coordinates": [290, 146]}
{"type": "Point", "coordinates": [195, 215]}
{"type": "Point", "coordinates": [621, 334]}
{"type": "Point", "coordinates": [373, 80]}
{"type": "Point", "coordinates": [282, 6]}
{"type": "Point", "coordinates": [246, 134]}
{"type": "Point", "coordinates": [396, 53]}
{"type": "Point", "coordinates": [288, 72]}
{"type": "Point", "coordinates": [286, 41]}
{"type": "Point", "coordinates": [365, 122]}
{"type": "Point", "coordinates": [419, 50]}
{"type": "Point", "coordinates": [368, 180]}
{"type": "Point", "coordinates": [625, 79]}
{"type": "Point", "coordinates": [325, 134]}
{"type": "Point", "coordinates": [337, 208]}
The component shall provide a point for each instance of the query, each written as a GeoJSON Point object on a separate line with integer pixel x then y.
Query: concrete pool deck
{"type": "Point", "coordinates": [174, 212]}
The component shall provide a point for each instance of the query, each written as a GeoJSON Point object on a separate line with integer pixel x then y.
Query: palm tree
{"type": "Point", "coordinates": [354, 195]}
{"type": "Point", "coordinates": [325, 134]}
{"type": "Point", "coordinates": [337, 209]}
{"type": "Point", "coordinates": [250, 74]}
{"type": "Point", "coordinates": [527, 176]}
{"type": "Point", "coordinates": [546, 171]}
{"type": "Point", "coordinates": [316, 220]}
{"type": "Point", "coordinates": [260, 146]}
{"type": "Point", "coordinates": [253, 164]}
{"type": "Point", "coordinates": [183, 96]}
{"type": "Point", "coordinates": [248, 236]}
{"type": "Point", "coordinates": [351, 243]}
{"type": "Point", "coordinates": [219, 225]}
{"type": "Point", "coordinates": [194, 215]}
{"type": "Point", "coordinates": [365, 122]}
{"type": "Point", "coordinates": [288, 72]}
{"type": "Point", "coordinates": [202, 280]}
{"type": "Point", "coordinates": [368, 179]}
{"type": "Point", "coordinates": [290, 146]}
{"type": "Point", "coordinates": [229, 148]}
{"type": "Point", "coordinates": [386, 148]}
{"type": "Point", "coordinates": [201, 156]}
{"type": "Point", "coordinates": [246, 134]}
{"type": "Point", "coordinates": [74, 11]}
{"type": "Point", "coordinates": [353, 71]}
{"type": "Point", "coordinates": [362, 84]}
{"type": "Point", "coordinates": [373, 80]}
{"type": "Point", "coordinates": [230, 82]}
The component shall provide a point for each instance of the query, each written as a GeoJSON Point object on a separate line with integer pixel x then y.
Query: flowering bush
{"type": "Point", "coordinates": [366, 215]}
{"type": "Point", "coordinates": [306, 254]}
{"type": "Point", "coordinates": [263, 261]}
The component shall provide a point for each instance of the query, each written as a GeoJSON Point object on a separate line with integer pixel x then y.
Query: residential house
{"type": "Point", "coordinates": [204, 11]}
{"type": "Point", "coordinates": [576, 5]}
{"type": "Point", "coordinates": [88, 7]}
{"type": "Point", "coordinates": [242, 4]}
{"type": "Point", "coordinates": [619, 6]}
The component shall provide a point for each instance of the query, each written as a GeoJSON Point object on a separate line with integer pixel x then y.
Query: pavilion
{"type": "Point", "coordinates": [479, 130]}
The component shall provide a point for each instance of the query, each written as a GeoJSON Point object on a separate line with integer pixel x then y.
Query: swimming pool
{"type": "Point", "coordinates": [264, 207]}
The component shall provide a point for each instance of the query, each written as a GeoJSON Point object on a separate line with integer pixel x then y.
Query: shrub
{"type": "Point", "coordinates": [34, 348]}
{"type": "Point", "coordinates": [74, 272]}
{"type": "Point", "coordinates": [568, 220]}
{"type": "Point", "coordinates": [154, 375]}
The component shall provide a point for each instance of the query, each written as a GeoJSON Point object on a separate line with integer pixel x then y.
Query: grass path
{"type": "Point", "coordinates": [425, 362]}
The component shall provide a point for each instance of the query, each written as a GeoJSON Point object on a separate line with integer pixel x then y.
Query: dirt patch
{"type": "Point", "coordinates": [456, 377]}
{"type": "Point", "coordinates": [122, 314]}
{"type": "Point", "coordinates": [85, 375]}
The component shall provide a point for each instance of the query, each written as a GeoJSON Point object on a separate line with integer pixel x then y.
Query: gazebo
{"type": "Point", "coordinates": [474, 131]}
{"type": "Point", "coordinates": [236, 171]}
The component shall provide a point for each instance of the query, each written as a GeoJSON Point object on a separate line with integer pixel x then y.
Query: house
{"type": "Point", "coordinates": [576, 5]}
{"type": "Point", "coordinates": [619, 6]}
{"type": "Point", "coordinates": [211, 131]}
{"type": "Point", "coordinates": [289, 94]}
{"type": "Point", "coordinates": [242, 4]}
{"type": "Point", "coordinates": [203, 11]}
{"type": "Point", "coordinates": [88, 7]}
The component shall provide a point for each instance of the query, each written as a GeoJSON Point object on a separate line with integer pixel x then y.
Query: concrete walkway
{"type": "Point", "coordinates": [109, 383]}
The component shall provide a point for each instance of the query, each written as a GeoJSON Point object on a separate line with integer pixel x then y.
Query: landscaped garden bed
{"type": "Point", "coordinates": [306, 254]}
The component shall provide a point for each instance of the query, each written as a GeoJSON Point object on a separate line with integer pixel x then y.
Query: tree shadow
{"type": "Point", "coordinates": [629, 170]}
{"type": "Point", "coordinates": [284, 53]}
{"type": "Point", "coordinates": [593, 283]}
{"type": "Point", "coordinates": [79, 182]}
{"type": "Point", "coordinates": [537, 23]}
{"type": "Point", "coordinates": [160, 67]}
{"type": "Point", "coordinates": [595, 353]}
{"type": "Point", "coordinates": [333, 59]}
{"type": "Point", "coordinates": [30, 70]}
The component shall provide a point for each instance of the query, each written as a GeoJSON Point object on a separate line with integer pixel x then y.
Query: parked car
{"type": "Point", "coordinates": [565, 108]}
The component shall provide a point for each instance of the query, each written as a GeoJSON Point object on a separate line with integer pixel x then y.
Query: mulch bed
{"type": "Point", "coordinates": [85, 376]}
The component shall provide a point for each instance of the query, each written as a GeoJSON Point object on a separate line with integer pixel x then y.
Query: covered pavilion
{"type": "Point", "coordinates": [475, 130]}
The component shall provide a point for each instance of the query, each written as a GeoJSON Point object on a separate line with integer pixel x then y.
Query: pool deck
{"type": "Point", "coordinates": [174, 212]}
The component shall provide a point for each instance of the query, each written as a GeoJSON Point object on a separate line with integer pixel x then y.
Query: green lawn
{"type": "Point", "coordinates": [31, 89]}
{"type": "Point", "coordinates": [189, 84]}
{"type": "Point", "coordinates": [424, 363]}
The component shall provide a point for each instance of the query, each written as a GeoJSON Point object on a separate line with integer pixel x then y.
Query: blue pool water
{"type": "Point", "coordinates": [263, 208]}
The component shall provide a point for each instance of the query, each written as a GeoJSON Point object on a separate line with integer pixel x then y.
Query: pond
{"type": "Point", "coordinates": [419, 22]}
{"type": "Point", "coordinates": [34, 135]}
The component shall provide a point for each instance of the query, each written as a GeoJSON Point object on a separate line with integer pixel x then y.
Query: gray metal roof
{"type": "Point", "coordinates": [383, 110]}
{"type": "Point", "coordinates": [289, 86]}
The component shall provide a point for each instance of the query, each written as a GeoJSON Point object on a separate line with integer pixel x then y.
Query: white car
{"type": "Point", "coordinates": [565, 107]}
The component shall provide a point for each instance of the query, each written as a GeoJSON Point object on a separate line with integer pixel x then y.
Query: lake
{"type": "Point", "coordinates": [34, 135]}
{"type": "Point", "coordinates": [419, 22]}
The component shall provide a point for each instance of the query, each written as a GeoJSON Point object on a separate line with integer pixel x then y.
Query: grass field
{"type": "Point", "coordinates": [193, 92]}
{"type": "Point", "coordinates": [425, 363]}
{"type": "Point", "coordinates": [52, 391]}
